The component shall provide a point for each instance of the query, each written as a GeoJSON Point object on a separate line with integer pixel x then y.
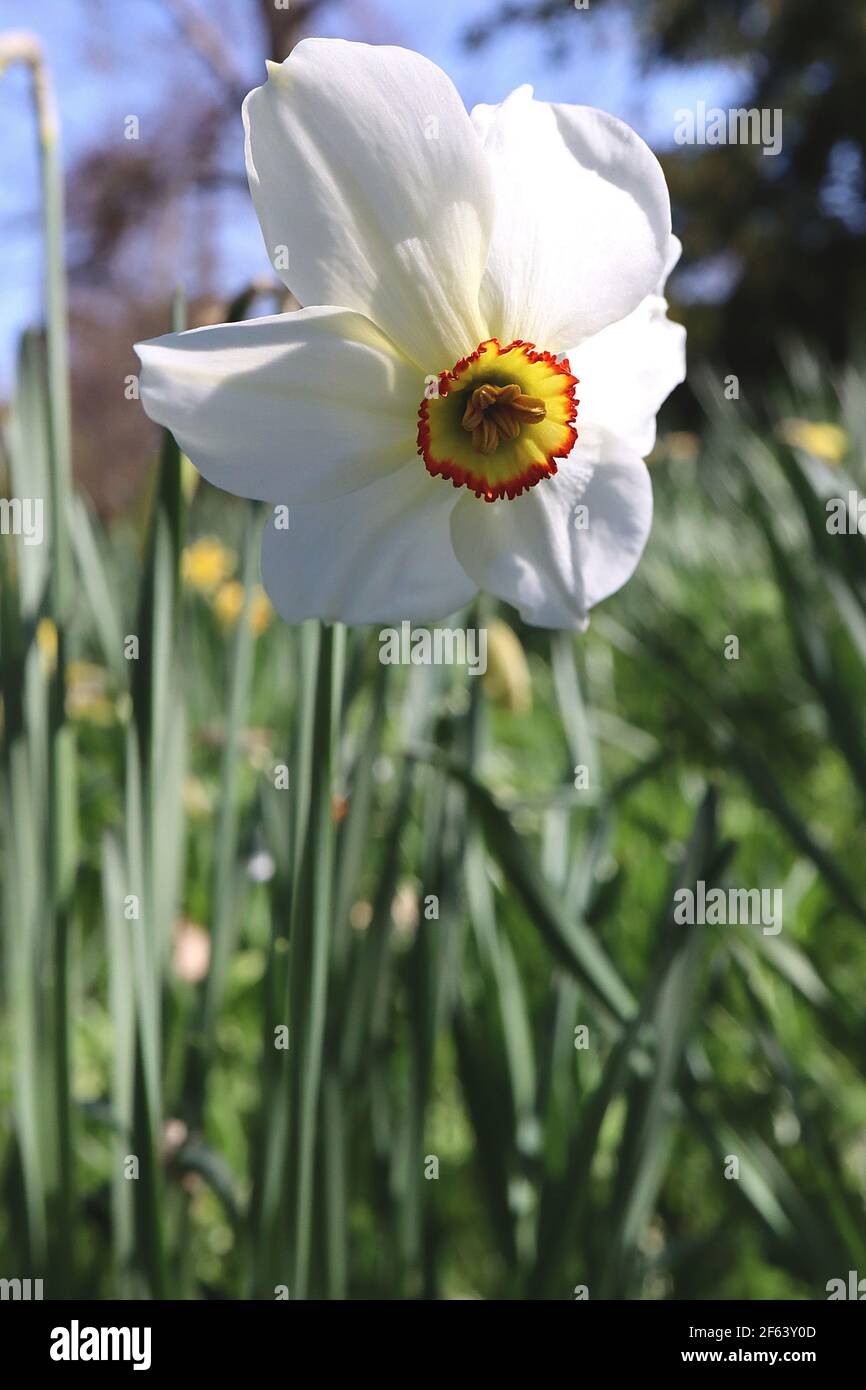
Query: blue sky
{"type": "Point", "coordinates": [108, 61]}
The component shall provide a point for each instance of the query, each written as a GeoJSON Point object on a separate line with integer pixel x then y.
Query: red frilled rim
{"type": "Point", "coordinates": [478, 482]}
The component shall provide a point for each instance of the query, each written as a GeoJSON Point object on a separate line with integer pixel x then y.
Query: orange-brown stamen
{"type": "Point", "coordinates": [495, 413]}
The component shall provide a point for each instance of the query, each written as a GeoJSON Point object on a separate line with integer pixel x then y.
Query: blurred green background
{"type": "Point", "coordinates": [421, 1023]}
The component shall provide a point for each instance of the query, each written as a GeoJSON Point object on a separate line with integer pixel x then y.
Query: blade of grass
{"type": "Point", "coordinates": [570, 942]}
{"type": "Point", "coordinates": [61, 848]}
{"type": "Point", "coordinates": [310, 947]}
{"type": "Point", "coordinates": [122, 1000]}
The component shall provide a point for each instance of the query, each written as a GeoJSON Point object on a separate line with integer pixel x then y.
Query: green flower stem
{"type": "Point", "coordinates": [310, 940]}
{"type": "Point", "coordinates": [60, 819]}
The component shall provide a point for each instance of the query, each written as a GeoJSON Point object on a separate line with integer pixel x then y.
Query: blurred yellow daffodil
{"type": "Point", "coordinates": [206, 564]}
{"type": "Point", "coordinates": [87, 695]}
{"type": "Point", "coordinates": [820, 438]}
{"type": "Point", "coordinates": [261, 611]}
{"type": "Point", "coordinates": [46, 640]}
{"type": "Point", "coordinates": [229, 600]}
{"type": "Point", "coordinates": [507, 677]}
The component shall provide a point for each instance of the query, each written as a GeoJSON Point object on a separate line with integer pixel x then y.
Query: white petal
{"type": "Point", "coordinates": [627, 370]}
{"type": "Point", "coordinates": [531, 552]}
{"type": "Point", "coordinates": [582, 220]}
{"type": "Point", "coordinates": [289, 408]}
{"type": "Point", "coordinates": [379, 556]}
{"type": "Point", "coordinates": [363, 163]}
{"type": "Point", "coordinates": [675, 250]}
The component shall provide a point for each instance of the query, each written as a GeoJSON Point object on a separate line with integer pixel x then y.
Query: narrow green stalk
{"type": "Point", "coordinates": [154, 774]}
{"type": "Point", "coordinates": [225, 864]}
{"type": "Point", "coordinates": [122, 1001]}
{"type": "Point", "coordinates": [24, 765]}
{"type": "Point", "coordinates": [224, 895]}
{"type": "Point", "coordinates": [60, 792]}
{"type": "Point", "coordinates": [61, 806]}
{"type": "Point", "coordinates": [270, 1235]}
{"type": "Point", "coordinates": [336, 1187]}
{"type": "Point", "coordinates": [310, 950]}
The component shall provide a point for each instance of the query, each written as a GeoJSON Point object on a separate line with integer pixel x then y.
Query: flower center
{"type": "Point", "coordinates": [495, 413]}
{"type": "Point", "coordinates": [499, 420]}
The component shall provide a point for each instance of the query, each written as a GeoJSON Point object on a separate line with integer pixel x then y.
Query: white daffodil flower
{"type": "Point", "coordinates": [419, 418]}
